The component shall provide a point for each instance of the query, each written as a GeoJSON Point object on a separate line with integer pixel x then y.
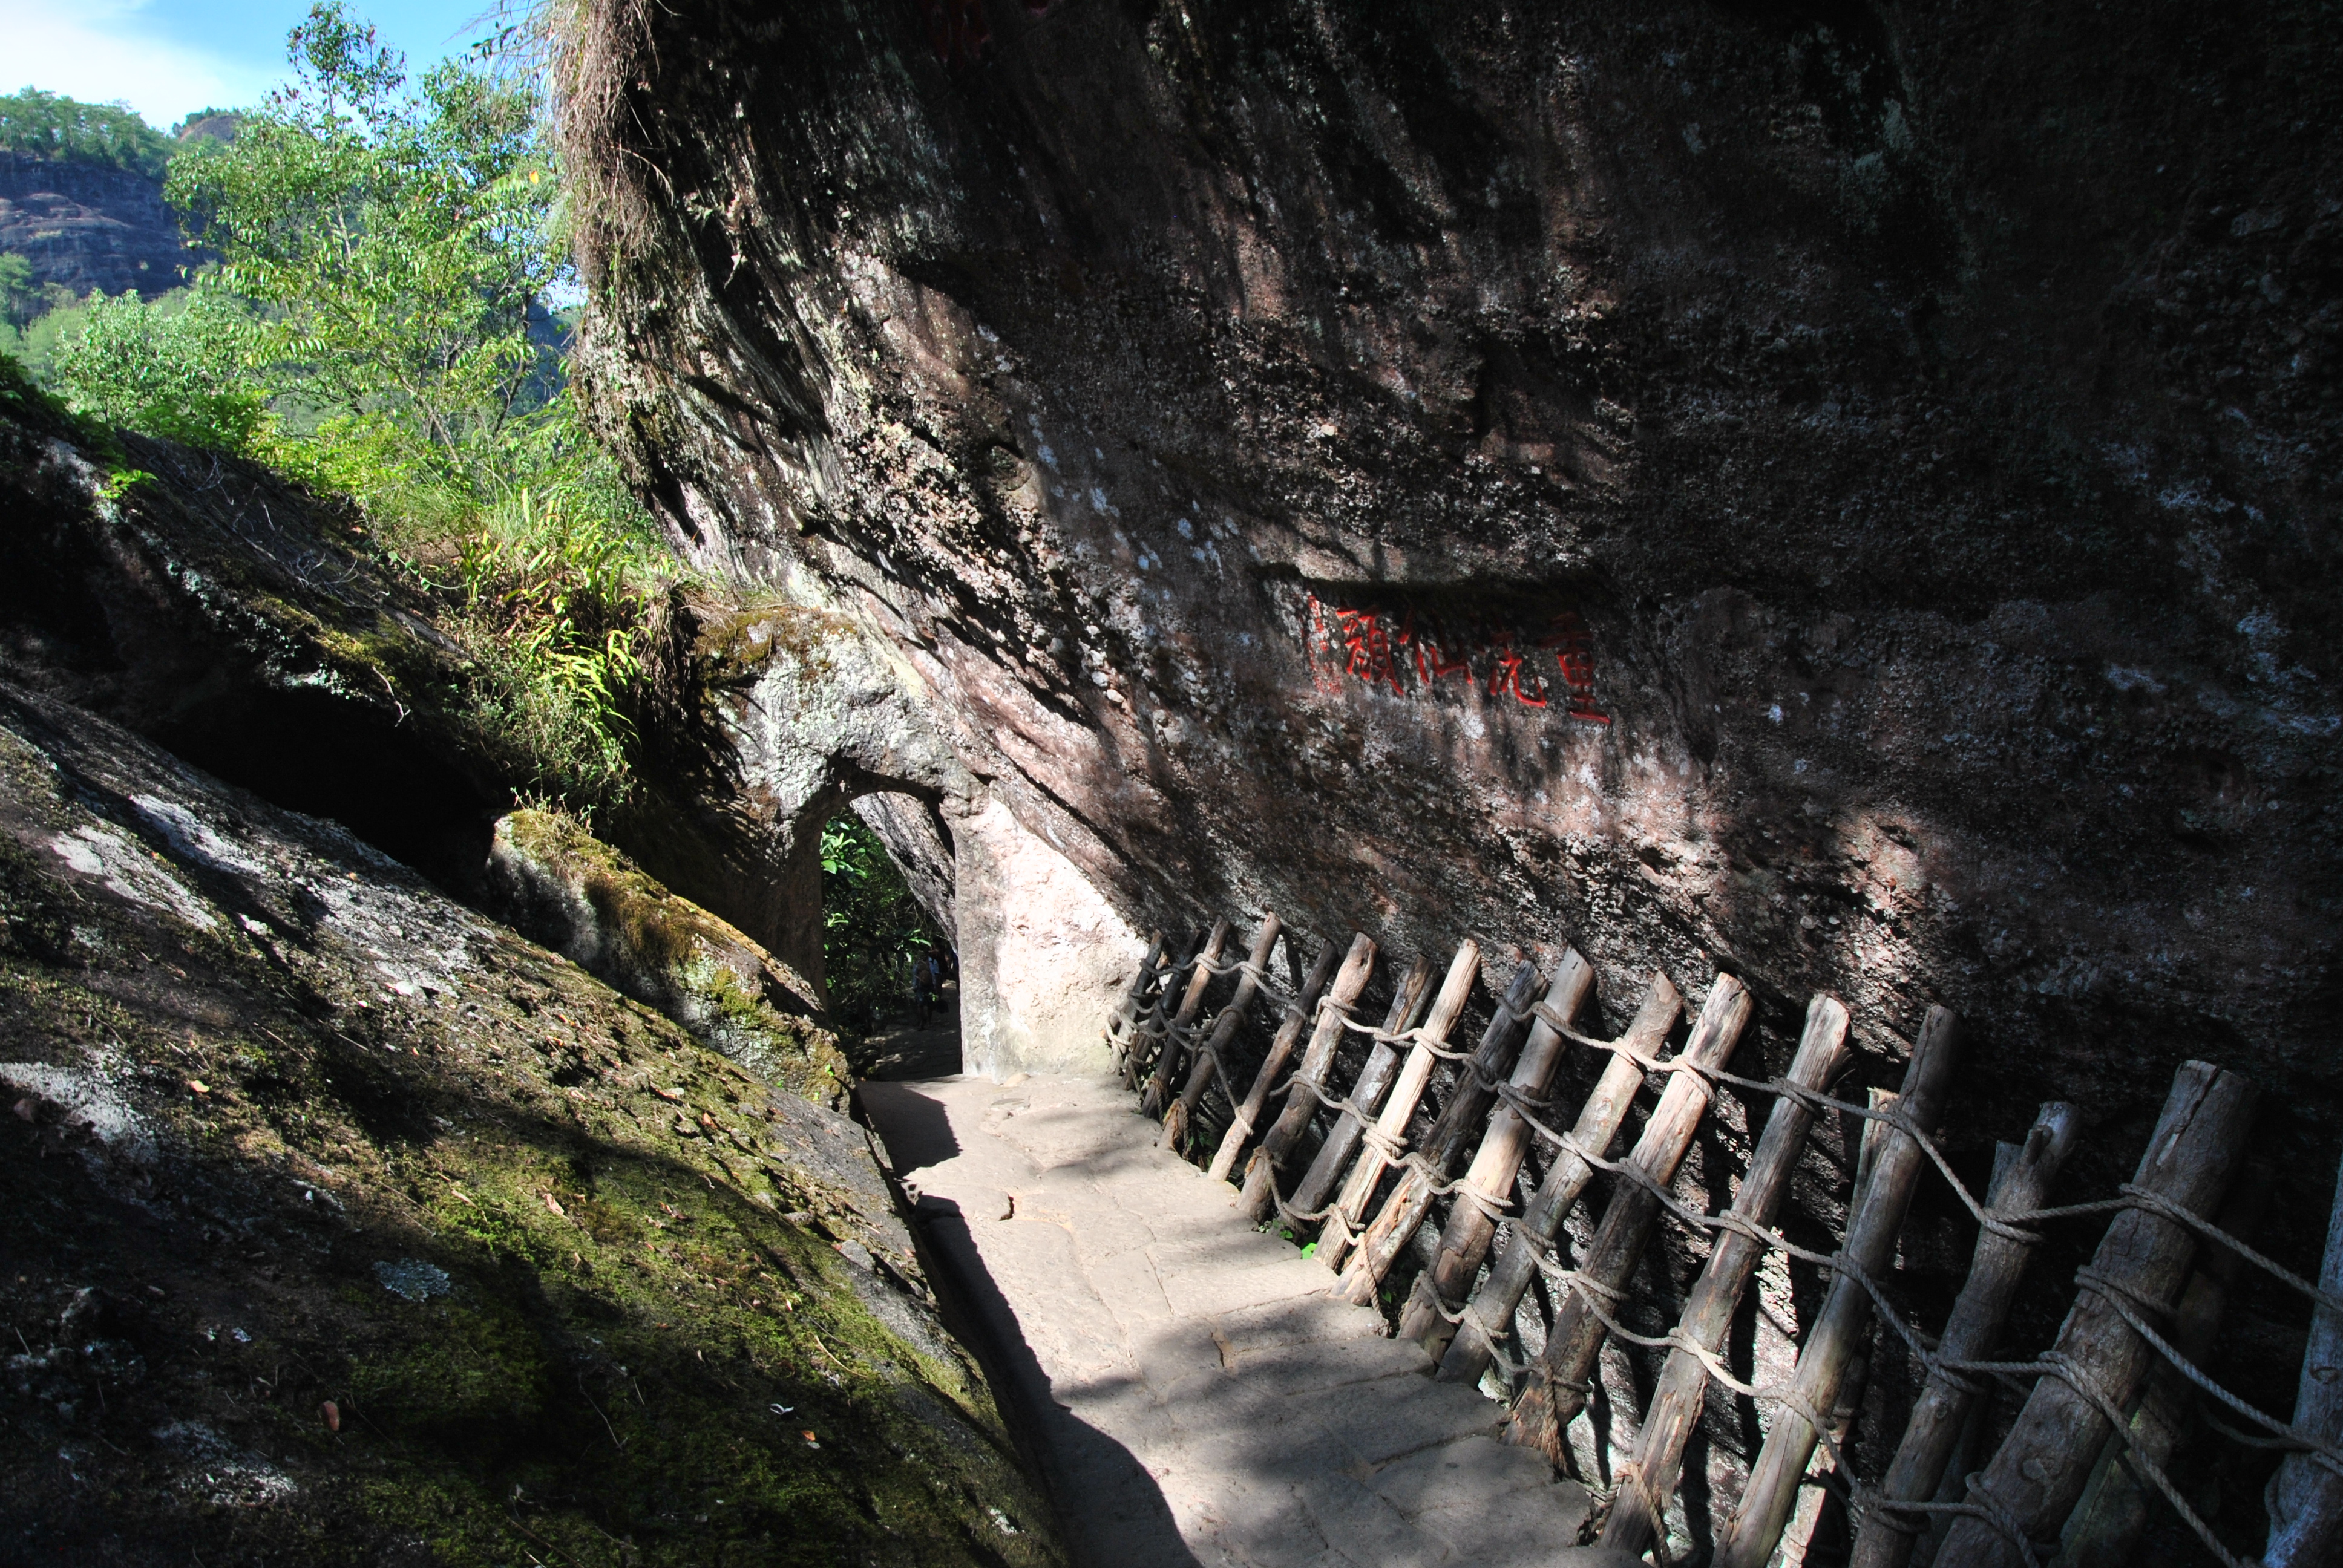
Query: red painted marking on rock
{"type": "Point", "coordinates": [1382, 650]}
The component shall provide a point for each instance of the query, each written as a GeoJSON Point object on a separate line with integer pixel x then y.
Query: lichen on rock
{"type": "Point", "coordinates": [553, 881]}
{"type": "Point", "coordinates": [349, 1226]}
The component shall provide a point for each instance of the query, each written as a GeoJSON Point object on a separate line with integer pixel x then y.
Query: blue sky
{"type": "Point", "coordinates": [167, 59]}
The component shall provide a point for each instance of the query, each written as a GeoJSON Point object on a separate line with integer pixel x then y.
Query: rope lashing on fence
{"type": "Point", "coordinates": [1500, 1015]}
{"type": "Point", "coordinates": [1302, 1078]}
{"type": "Point", "coordinates": [1165, 975]}
{"type": "Point", "coordinates": [1410, 1160]}
{"type": "Point", "coordinates": [2010, 1225]}
{"type": "Point", "coordinates": [1395, 1153]}
{"type": "Point", "coordinates": [1388, 1147]}
{"type": "Point", "coordinates": [1600, 1298]}
{"type": "Point", "coordinates": [2015, 1225]}
{"type": "Point", "coordinates": [2019, 1226]}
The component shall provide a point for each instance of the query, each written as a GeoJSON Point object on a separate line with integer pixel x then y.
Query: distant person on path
{"type": "Point", "coordinates": [927, 983]}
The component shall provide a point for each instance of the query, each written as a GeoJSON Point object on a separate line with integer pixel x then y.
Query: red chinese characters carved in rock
{"type": "Point", "coordinates": [1411, 659]}
{"type": "Point", "coordinates": [1567, 638]}
{"type": "Point", "coordinates": [956, 29]}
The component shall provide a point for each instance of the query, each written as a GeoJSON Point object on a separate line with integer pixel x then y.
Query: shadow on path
{"type": "Point", "coordinates": [1110, 1512]}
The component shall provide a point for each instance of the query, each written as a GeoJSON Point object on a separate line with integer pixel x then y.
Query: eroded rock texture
{"type": "Point", "coordinates": [90, 226]}
{"type": "Point", "coordinates": [345, 1223]}
{"type": "Point", "coordinates": [244, 625]}
{"type": "Point", "coordinates": [1835, 492]}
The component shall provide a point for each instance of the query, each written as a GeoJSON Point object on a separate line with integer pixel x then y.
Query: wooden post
{"type": "Point", "coordinates": [1639, 1506]}
{"type": "Point", "coordinates": [1259, 1198]}
{"type": "Point", "coordinates": [2105, 1530]}
{"type": "Point", "coordinates": [1224, 1029]}
{"type": "Point", "coordinates": [1472, 1226]}
{"type": "Point", "coordinates": [1494, 1305]}
{"type": "Point", "coordinates": [1126, 1012]}
{"type": "Point", "coordinates": [1557, 1386]}
{"type": "Point", "coordinates": [1158, 1018]}
{"type": "Point", "coordinates": [1280, 1051]}
{"type": "Point", "coordinates": [2305, 1497]}
{"type": "Point", "coordinates": [1192, 1002]}
{"type": "Point", "coordinates": [1839, 1330]}
{"type": "Point", "coordinates": [1334, 1156]}
{"type": "Point", "coordinates": [1404, 1212]}
{"type": "Point", "coordinates": [1391, 1127]}
{"type": "Point", "coordinates": [1816, 1499]}
{"type": "Point", "coordinates": [1886, 1538]}
{"type": "Point", "coordinates": [2040, 1470]}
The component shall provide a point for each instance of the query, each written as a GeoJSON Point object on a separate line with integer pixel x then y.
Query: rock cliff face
{"type": "Point", "coordinates": [1837, 492]}
{"type": "Point", "coordinates": [90, 226]}
{"type": "Point", "coordinates": [347, 1225]}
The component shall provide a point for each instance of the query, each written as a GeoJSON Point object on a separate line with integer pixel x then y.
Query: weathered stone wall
{"type": "Point", "coordinates": [1893, 443]}
{"type": "Point", "coordinates": [797, 714]}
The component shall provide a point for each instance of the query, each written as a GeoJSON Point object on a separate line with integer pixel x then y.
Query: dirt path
{"type": "Point", "coordinates": [1198, 1396]}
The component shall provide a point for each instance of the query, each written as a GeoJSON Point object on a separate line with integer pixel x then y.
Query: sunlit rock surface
{"type": "Point", "coordinates": [1838, 495]}
{"type": "Point", "coordinates": [555, 882]}
{"type": "Point", "coordinates": [798, 713]}
{"type": "Point", "coordinates": [345, 1224]}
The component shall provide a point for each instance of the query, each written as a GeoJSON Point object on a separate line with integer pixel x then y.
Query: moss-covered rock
{"type": "Point", "coordinates": [348, 1227]}
{"type": "Point", "coordinates": [562, 886]}
{"type": "Point", "coordinates": [246, 625]}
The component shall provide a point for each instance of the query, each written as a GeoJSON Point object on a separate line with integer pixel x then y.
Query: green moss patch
{"type": "Point", "coordinates": [347, 1228]}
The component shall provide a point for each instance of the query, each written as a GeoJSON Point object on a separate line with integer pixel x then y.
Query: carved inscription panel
{"type": "Point", "coordinates": [1533, 658]}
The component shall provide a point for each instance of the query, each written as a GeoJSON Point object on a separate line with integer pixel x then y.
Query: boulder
{"type": "Point", "coordinates": [345, 1224]}
{"type": "Point", "coordinates": [552, 880]}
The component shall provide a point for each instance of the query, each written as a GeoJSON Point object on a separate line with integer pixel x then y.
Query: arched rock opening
{"type": "Point", "coordinates": [788, 715]}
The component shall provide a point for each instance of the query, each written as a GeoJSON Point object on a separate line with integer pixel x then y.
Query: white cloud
{"type": "Point", "coordinates": [102, 50]}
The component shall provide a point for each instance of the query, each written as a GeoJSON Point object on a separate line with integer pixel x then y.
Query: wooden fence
{"type": "Point", "coordinates": [1431, 1138]}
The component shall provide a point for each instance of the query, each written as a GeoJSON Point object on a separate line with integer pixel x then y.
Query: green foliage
{"type": "Point", "coordinates": [55, 317]}
{"type": "Point", "coordinates": [872, 927]}
{"type": "Point", "coordinates": [50, 124]}
{"type": "Point", "coordinates": [396, 239]}
{"type": "Point", "coordinates": [386, 247]}
{"type": "Point", "coordinates": [24, 402]}
{"type": "Point", "coordinates": [168, 368]}
{"type": "Point", "coordinates": [20, 296]}
{"type": "Point", "coordinates": [377, 327]}
{"type": "Point", "coordinates": [555, 598]}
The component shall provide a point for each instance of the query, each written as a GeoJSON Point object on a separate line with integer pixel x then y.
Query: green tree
{"type": "Point", "coordinates": [398, 240]}
{"type": "Point", "coordinates": [50, 124]}
{"type": "Point", "coordinates": [171, 368]}
{"type": "Point", "coordinates": [872, 927]}
{"type": "Point", "coordinates": [386, 249]}
{"type": "Point", "coordinates": [20, 294]}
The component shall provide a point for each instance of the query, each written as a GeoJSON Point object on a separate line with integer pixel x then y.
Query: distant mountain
{"type": "Point", "coordinates": [90, 226]}
{"type": "Point", "coordinates": [81, 192]}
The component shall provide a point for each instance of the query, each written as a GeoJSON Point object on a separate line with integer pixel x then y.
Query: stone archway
{"type": "Point", "coordinates": [796, 714]}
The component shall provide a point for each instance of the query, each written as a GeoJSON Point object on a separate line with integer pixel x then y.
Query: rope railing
{"type": "Point", "coordinates": [2018, 1225]}
{"type": "Point", "coordinates": [2025, 1226]}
